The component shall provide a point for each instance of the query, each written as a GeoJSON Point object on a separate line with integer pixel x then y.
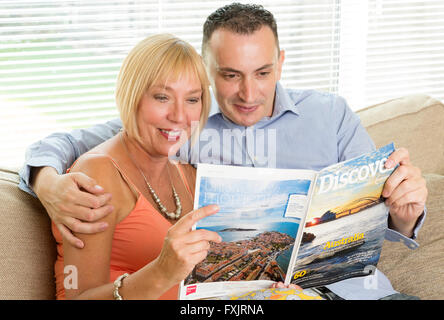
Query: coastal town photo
{"type": "Point", "coordinates": [257, 237]}
{"type": "Point", "coordinates": [243, 260]}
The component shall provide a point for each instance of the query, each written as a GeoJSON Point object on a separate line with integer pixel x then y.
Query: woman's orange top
{"type": "Point", "coordinates": [138, 240]}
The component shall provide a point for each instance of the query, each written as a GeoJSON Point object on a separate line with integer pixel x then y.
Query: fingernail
{"type": "Point", "coordinates": [103, 226]}
{"type": "Point", "coordinates": [79, 244]}
{"type": "Point", "coordinates": [389, 164]}
{"type": "Point", "coordinates": [98, 188]}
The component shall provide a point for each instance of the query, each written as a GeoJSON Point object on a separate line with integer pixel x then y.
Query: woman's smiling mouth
{"type": "Point", "coordinates": [171, 134]}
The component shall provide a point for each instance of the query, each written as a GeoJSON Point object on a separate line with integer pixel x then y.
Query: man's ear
{"type": "Point", "coordinates": [281, 59]}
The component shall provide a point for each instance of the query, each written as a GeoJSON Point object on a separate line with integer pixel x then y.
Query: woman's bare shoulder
{"type": "Point", "coordinates": [95, 165]}
{"type": "Point", "coordinates": [106, 173]}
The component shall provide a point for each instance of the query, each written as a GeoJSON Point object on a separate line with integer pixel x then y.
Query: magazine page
{"type": "Point", "coordinates": [259, 218]}
{"type": "Point", "coordinates": [347, 219]}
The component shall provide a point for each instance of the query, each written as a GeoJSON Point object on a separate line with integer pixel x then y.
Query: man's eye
{"type": "Point", "coordinates": [264, 73]}
{"type": "Point", "coordinates": [229, 75]}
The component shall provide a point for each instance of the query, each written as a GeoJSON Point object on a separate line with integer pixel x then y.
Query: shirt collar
{"type": "Point", "coordinates": [283, 102]}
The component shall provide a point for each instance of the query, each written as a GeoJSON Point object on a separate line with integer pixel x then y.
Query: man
{"type": "Point", "coordinates": [295, 128]}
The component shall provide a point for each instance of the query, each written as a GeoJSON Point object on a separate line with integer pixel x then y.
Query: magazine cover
{"type": "Point", "coordinates": [347, 220]}
{"type": "Point", "coordinates": [260, 213]}
{"type": "Point", "coordinates": [300, 226]}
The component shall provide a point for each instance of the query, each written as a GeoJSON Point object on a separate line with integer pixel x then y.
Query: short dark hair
{"type": "Point", "coordinates": [239, 18]}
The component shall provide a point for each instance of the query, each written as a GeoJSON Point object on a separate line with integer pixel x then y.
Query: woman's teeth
{"type": "Point", "coordinates": [171, 133]}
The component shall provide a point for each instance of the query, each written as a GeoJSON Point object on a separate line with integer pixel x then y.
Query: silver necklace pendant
{"type": "Point", "coordinates": [162, 208]}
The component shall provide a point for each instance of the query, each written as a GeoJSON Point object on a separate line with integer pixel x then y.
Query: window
{"type": "Point", "coordinates": [389, 49]}
{"type": "Point", "coordinates": [59, 59]}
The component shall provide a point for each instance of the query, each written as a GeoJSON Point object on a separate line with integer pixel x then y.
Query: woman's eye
{"type": "Point", "coordinates": [193, 100]}
{"type": "Point", "coordinates": [161, 98]}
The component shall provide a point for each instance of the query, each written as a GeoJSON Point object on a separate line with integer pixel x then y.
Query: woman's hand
{"type": "Point", "coordinates": [183, 248]}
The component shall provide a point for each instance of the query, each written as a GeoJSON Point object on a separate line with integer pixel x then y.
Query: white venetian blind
{"type": "Point", "coordinates": [59, 59]}
{"type": "Point", "coordinates": [391, 48]}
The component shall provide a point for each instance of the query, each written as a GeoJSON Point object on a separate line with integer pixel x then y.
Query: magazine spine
{"type": "Point", "coordinates": [297, 242]}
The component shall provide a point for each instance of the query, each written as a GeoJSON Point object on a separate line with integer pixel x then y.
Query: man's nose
{"type": "Point", "coordinates": [248, 90]}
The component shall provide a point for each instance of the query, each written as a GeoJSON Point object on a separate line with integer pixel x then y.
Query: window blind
{"type": "Point", "coordinates": [391, 48]}
{"type": "Point", "coordinates": [59, 59]}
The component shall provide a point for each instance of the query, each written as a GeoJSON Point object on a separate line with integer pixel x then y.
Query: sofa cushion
{"type": "Point", "coordinates": [27, 251]}
{"type": "Point", "coordinates": [420, 272]}
{"type": "Point", "coordinates": [415, 122]}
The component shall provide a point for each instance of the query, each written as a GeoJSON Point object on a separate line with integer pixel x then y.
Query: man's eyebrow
{"type": "Point", "coordinates": [266, 66]}
{"type": "Point", "coordinates": [228, 70]}
{"type": "Point", "coordinates": [270, 65]}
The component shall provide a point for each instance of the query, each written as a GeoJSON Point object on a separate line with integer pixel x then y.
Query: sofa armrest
{"type": "Point", "coordinates": [27, 248]}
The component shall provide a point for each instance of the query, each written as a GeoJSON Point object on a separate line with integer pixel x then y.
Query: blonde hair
{"type": "Point", "coordinates": [159, 57]}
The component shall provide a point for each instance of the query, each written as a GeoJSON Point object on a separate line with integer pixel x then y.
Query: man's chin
{"type": "Point", "coordinates": [241, 119]}
{"type": "Point", "coordinates": [246, 121]}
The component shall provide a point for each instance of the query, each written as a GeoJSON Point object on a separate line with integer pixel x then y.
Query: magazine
{"type": "Point", "coordinates": [295, 226]}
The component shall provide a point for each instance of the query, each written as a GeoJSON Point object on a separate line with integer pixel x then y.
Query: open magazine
{"type": "Point", "coordinates": [296, 226]}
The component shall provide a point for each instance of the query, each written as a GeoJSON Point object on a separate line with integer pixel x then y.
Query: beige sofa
{"type": "Point", "coordinates": [27, 250]}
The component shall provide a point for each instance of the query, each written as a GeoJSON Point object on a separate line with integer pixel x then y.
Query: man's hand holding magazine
{"type": "Point", "coordinates": [406, 193]}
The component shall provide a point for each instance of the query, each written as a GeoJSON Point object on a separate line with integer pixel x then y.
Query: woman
{"type": "Point", "coordinates": [148, 248]}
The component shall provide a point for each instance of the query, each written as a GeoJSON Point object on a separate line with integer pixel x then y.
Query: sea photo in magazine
{"type": "Point", "coordinates": [347, 220]}
{"type": "Point", "coordinates": [258, 221]}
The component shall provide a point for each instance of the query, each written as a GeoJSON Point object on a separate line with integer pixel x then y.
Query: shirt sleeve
{"type": "Point", "coordinates": [60, 150]}
{"type": "Point", "coordinates": [395, 236]}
